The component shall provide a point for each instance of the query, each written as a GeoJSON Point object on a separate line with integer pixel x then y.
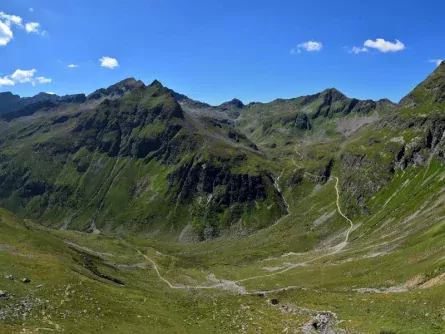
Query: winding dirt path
{"type": "Point", "coordinates": [225, 283]}
{"type": "Point", "coordinates": [172, 286]}
{"type": "Point", "coordinates": [336, 249]}
{"type": "Point", "coordinates": [340, 212]}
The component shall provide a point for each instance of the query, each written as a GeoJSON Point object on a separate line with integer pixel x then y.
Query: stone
{"type": "Point", "coordinates": [26, 280]}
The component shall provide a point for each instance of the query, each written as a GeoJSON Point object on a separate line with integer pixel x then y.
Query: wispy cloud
{"type": "Point", "coordinates": [7, 22]}
{"type": "Point", "coordinates": [31, 9]}
{"type": "Point", "coordinates": [5, 34]}
{"type": "Point", "coordinates": [109, 62]}
{"type": "Point", "coordinates": [43, 80]}
{"type": "Point", "coordinates": [6, 81]}
{"type": "Point", "coordinates": [309, 46]}
{"type": "Point", "coordinates": [436, 61]}
{"type": "Point", "coordinates": [385, 46]}
{"type": "Point", "coordinates": [11, 19]}
{"type": "Point", "coordinates": [34, 28]}
{"type": "Point", "coordinates": [73, 66]}
{"type": "Point", "coordinates": [22, 77]}
{"type": "Point", "coordinates": [357, 49]}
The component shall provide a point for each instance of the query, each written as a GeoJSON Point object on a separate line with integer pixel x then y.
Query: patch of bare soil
{"type": "Point", "coordinates": [434, 281]}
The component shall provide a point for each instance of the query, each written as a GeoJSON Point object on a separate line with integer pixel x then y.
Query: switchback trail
{"type": "Point", "coordinates": [335, 250]}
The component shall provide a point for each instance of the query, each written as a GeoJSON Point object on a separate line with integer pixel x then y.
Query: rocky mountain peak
{"type": "Point", "coordinates": [234, 103]}
{"type": "Point", "coordinates": [156, 83]}
{"type": "Point", "coordinates": [333, 94]}
{"type": "Point", "coordinates": [127, 84]}
{"type": "Point", "coordinates": [117, 90]}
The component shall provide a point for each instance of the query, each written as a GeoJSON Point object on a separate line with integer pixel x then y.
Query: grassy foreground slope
{"type": "Point", "coordinates": [388, 277]}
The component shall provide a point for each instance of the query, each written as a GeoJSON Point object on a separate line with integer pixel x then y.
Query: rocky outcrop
{"type": "Point", "coordinates": [235, 103]}
{"type": "Point", "coordinates": [219, 198]}
{"type": "Point", "coordinates": [226, 188]}
{"type": "Point", "coordinates": [117, 90]}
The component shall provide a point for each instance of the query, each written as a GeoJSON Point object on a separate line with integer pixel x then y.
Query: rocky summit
{"type": "Point", "coordinates": [136, 207]}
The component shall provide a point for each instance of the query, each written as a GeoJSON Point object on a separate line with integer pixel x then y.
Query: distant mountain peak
{"type": "Point", "coordinates": [156, 83]}
{"type": "Point", "coordinates": [9, 95]}
{"type": "Point", "coordinates": [129, 83]}
{"type": "Point", "coordinates": [117, 90]}
{"type": "Point", "coordinates": [334, 94]}
{"type": "Point", "coordinates": [332, 90]}
{"type": "Point", "coordinates": [234, 103]}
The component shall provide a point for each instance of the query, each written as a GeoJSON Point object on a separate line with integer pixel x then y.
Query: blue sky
{"type": "Point", "coordinates": [215, 50]}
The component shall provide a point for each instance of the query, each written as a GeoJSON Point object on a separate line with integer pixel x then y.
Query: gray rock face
{"type": "Point", "coordinates": [321, 323]}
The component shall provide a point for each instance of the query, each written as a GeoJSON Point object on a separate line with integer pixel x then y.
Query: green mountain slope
{"type": "Point", "coordinates": [136, 163]}
{"type": "Point", "coordinates": [327, 217]}
{"type": "Point", "coordinates": [323, 116]}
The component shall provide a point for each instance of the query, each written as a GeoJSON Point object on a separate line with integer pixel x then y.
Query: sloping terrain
{"type": "Point", "coordinates": [134, 162]}
{"type": "Point", "coordinates": [307, 227]}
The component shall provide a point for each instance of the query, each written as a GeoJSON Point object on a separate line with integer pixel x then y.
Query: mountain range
{"type": "Point", "coordinates": [330, 207]}
{"type": "Point", "coordinates": [215, 179]}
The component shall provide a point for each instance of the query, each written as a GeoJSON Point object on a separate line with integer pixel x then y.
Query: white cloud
{"type": "Point", "coordinates": [356, 49]}
{"type": "Point", "coordinates": [32, 27]}
{"type": "Point", "coordinates": [385, 46]}
{"type": "Point", "coordinates": [72, 66]}
{"type": "Point", "coordinates": [50, 93]}
{"type": "Point", "coordinates": [23, 76]}
{"type": "Point", "coordinates": [436, 61]}
{"type": "Point", "coordinates": [5, 34]}
{"type": "Point", "coordinates": [108, 62]}
{"type": "Point", "coordinates": [31, 10]}
{"type": "Point", "coordinates": [11, 19]}
{"type": "Point", "coordinates": [310, 46]}
{"type": "Point", "coordinates": [6, 82]}
{"type": "Point", "coordinates": [43, 80]}
{"type": "Point", "coordinates": [8, 21]}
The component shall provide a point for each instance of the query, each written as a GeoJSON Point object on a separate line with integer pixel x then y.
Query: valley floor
{"type": "Point", "coordinates": [316, 270]}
